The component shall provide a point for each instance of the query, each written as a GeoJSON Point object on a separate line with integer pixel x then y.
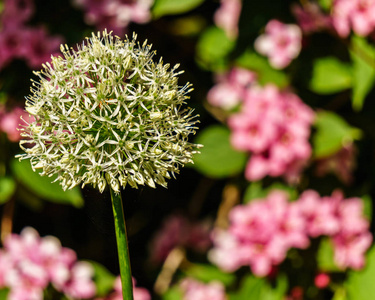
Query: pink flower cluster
{"type": "Point", "coordinates": [10, 122]}
{"type": "Point", "coordinates": [259, 235]}
{"type": "Point", "coordinates": [231, 88]}
{"type": "Point", "coordinates": [138, 292]}
{"type": "Point", "coordinates": [227, 16]}
{"type": "Point", "coordinates": [274, 126]}
{"type": "Point", "coordinates": [358, 15]}
{"type": "Point", "coordinates": [281, 43]}
{"type": "Point", "coordinates": [115, 15]}
{"type": "Point", "coordinates": [343, 221]}
{"type": "Point", "coordinates": [18, 41]}
{"type": "Point", "coordinates": [196, 290]}
{"type": "Point", "coordinates": [262, 231]}
{"type": "Point", "coordinates": [29, 264]}
{"type": "Point", "coordinates": [178, 231]}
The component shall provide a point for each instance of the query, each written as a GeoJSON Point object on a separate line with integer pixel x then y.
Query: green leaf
{"type": "Point", "coordinates": [188, 26]}
{"type": "Point", "coordinates": [332, 132]}
{"type": "Point", "coordinates": [217, 158]}
{"type": "Point", "coordinates": [266, 74]}
{"type": "Point", "coordinates": [173, 7]}
{"type": "Point", "coordinates": [367, 207]}
{"type": "Point", "coordinates": [4, 294]}
{"type": "Point", "coordinates": [213, 48]}
{"type": "Point", "coordinates": [340, 294]}
{"type": "Point", "coordinates": [174, 293]}
{"type": "Point", "coordinates": [260, 289]}
{"type": "Point", "coordinates": [292, 192]}
{"type": "Point", "coordinates": [208, 273]}
{"type": "Point", "coordinates": [104, 280]}
{"type": "Point", "coordinates": [256, 191]}
{"type": "Point", "coordinates": [325, 256]}
{"type": "Point", "coordinates": [330, 76]}
{"type": "Point", "coordinates": [43, 187]}
{"type": "Point", "coordinates": [7, 188]}
{"type": "Point", "coordinates": [360, 284]}
{"type": "Point", "coordinates": [3, 95]}
{"type": "Point", "coordinates": [251, 288]}
{"type": "Point", "coordinates": [325, 4]}
{"type": "Point", "coordinates": [363, 56]}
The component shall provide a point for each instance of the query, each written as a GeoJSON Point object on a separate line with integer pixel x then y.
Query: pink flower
{"type": "Point", "coordinates": [353, 238]}
{"type": "Point", "coordinates": [10, 123]}
{"type": "Point", "coordinates": [138, 292]}
{"type": "Point", "coordinates": [257, 167]}
{"type": "Point", "coordinates": [223, 95]}
{"type": "Point", "coordinates": [358, 15]}
{"type": "Point", "coordinates": [94, 10]}
{"type": "Point", "coordinates": [322, 280]}
{"type": "Point", "coordinates": [33, 263]}
{"type": "Point", "coordinates": [342, 220]}
{"type": "Point", "coordinates": [39, 46]}
{"type": "Point", "coordinates": [5, 267]}
{"type": "Point", "coordinates": [16, 12]}
{"type": "Point", "coordinates": [310, 17]}
{"type": "Point", "coordinates": [260, 234]}
{"type": "Point", "coordinates": [350, 213]}
{"type": "Point", "coordinates": [195, 290]}
{"type": "Point", "coordinates": [320, 214]}
{"type": "Point", "coordinates": [141, 294]}
{"type": "Point", "coordinates": [231, 88]}
{"type": "Point", "coordinates": [172, 233]}
{"type": "Point", "coordinates": [25, 292]}
{"type": "Point", "coordinates": [228, 252]}
{"type": "Point", "coordinates": [11, 44]}
{"type": "Point", "coordinates": [32, 44]}
{"type": "Point", "coordinates": [124, 12]}
{"type": "Point", "coordinates": [115, 15]}
{"type": "Point", "coordinates": [350, 249]}
{"type": "Point", "coordinates": [177, 230]}
{"type": "Point", "coordinates": [80, 284]}
{"type": "Point", "coordinates": [281, 43]}
{"type": "Point", "coordinates": [291, 227]}
{"type": "Point", "coordinates": [241, 78]}
{"type": "Point", "coordinates": [227, 16]}
{"type": "Point", "coordinates": [274, 127]}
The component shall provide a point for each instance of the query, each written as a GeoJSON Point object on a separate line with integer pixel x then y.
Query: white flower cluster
{"type": "Point", "coordinates": [107, 113]}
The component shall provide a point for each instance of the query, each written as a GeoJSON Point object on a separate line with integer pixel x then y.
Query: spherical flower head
{"type": "Point", "coordinates": [106, 113]}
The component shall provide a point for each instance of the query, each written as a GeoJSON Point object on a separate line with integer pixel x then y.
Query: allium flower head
{"type": "Point", "coordinates": [107, 113]}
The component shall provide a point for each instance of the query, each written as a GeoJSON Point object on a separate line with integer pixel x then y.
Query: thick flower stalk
{"type": "Point", "coordinates": [107, 113]}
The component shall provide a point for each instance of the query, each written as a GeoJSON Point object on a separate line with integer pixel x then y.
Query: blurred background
{"type": "Point", "coordinates": [284, 90]}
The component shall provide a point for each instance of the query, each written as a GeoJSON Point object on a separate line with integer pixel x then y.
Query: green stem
{"type": "Point", "coordinates": [122, 246]}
